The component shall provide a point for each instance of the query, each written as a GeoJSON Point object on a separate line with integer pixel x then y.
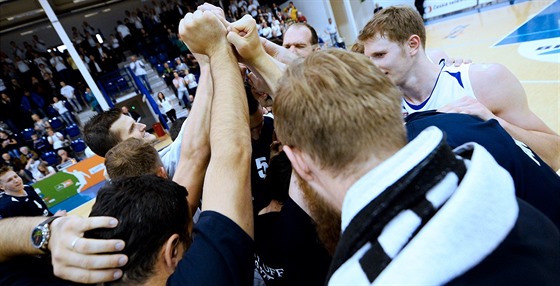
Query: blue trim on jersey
{"type": "Point", "coordinates": [421, 105]}
{"type": "Point", "coordinates": [457, 76]}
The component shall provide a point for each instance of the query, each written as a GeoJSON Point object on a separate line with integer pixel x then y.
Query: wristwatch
{"type": "Point", "coordinates": [41, 234]}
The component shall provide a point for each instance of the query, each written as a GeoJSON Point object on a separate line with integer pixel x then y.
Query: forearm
{"type": "Point", "coordinates": [546, 145]}
{"type": "Point", "coordinates": [195, 145]}
{"type": "Point", "coordinates": [16, 236]}
{"type": "Point", "coordinates": [270, 70]}
{"type": "Point", "coordinates": [228, 171]}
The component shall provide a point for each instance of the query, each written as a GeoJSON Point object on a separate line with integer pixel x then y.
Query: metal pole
{"type": "Point", "coordinates": [73, 53]}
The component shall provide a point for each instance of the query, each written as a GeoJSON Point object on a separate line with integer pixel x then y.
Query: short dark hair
{"type": "Point", "coordinates": [96, 132]}
{"type": "Point", "coordinates": [176, 127]}
{"type": "Point", "coordinates": [130, 158]}
{"type": "Point", "coordinates": [314, 37]}
{"type": "Point", "coordinates": [149, 209]}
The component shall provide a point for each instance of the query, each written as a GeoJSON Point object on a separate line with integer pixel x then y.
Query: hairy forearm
{"type": "Point", "coordinates": [546, 145]}
{"type": "Point", "coordinates": [227, 186]}
{"type": "Point", "coordinates": [195, 145]}
{"type": "Point", "coordinates": [230, 115]}
{"type": "Point", "coordinates": [16, 236]}
{"type": "Point", "coordinates": [270, 70]}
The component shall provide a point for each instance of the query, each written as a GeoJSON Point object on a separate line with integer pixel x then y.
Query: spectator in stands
{"type": "Point", "coordinates": [18, 199]}
{"type": "Point", "coordinates": [40, 144]}
{"type": "Point", "coordinates": [108, 63]}
{"type": "Point", "coordinates": [38, 59]}
{"type": "Point", "coordinates": [69, 93]}
{"type": "Point", "coordinates": [62, 71]}
{"type": "Point", "coordinates": [60, 107]}
{"type": "Point", "coordinates": [180, 66]}
{"type": "Point", "coordinates": [64, 157]}
{"type": "Point", "coordinates": [92, 101]}
{"type": "Point", "coordinates": [39, 45]}
{"type": "Point", "coordinates": [56, 139]}
{"type": "Point", "coordinates": [95, 67]}
{"type": "Point", "coordinates": [42, 88]}
{"type": "Point", "coordinates": [167, 107]}
{"type": "Point", "coordinates": [27, 154]}
{"type": "Point", "coordinates": [333, 32]}
{"type": "Point", "coordinates": [33, 103]}
{"type": "Point", "coordinates": [137, 67]}
{"type": "Point", "coordinates": [23, 68]}
{"type": "Point", "coordinates": [32, 167]}
{"type": "Point", "coordinates": [181, 86]}
{"type": "Point", "coordinates": [192, 84]}
{"type": "Point", "coordinates": [45, 171]}
{"type": "Point", "coordinates": [47, 74]}
{"type": "Point", "coordinates": [266, 31]}
{"type": "Point", "coordinates": [130, 113]}
{"type": "Point", "coordinates": [301, 18]}
{"type": "Point", "coordinates": [10, 113]}
{"type": "Point", "coordinates": [9, 143]}
{"type": "Point", "coordinates": [116, 46]}
{"type": "Point", "coordinates": [291, 11]}
{"type": "Point", "coordinates": [276, 28]}
{"type": "Point", "coordinates": [125, 35]}
{"type": "Point", "coordinates": [40, 124]}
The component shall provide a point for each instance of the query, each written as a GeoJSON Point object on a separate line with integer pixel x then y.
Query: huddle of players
{"type": "Point", "coordinates": [339, 119]}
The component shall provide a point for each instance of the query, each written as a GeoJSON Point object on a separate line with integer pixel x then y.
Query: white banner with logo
{"type": "Point", "coordinates": [433, 8]}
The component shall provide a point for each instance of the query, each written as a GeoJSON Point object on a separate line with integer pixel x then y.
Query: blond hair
{"type": "Point", "coordinates": [396, 23]}
{"type": "Point", "coordinates": [130, 158]}
{"type": "Point", "coordinates": [340, 109]}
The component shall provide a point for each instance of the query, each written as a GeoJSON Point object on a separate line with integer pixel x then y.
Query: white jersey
{"type": "Point", "coordinates": [452, 84]}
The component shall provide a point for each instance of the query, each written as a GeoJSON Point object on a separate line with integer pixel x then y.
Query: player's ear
{"type": "Point", "coordinates": [299, 162]}
{"type": "Point", "coordinates": [413, 44]}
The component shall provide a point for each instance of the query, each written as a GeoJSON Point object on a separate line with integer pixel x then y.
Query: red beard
{"type": "Point", "coordinates": [327, 219]}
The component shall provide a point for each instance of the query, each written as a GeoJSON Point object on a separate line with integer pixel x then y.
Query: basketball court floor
{"type": "Point", "coordinates": [525, 37]}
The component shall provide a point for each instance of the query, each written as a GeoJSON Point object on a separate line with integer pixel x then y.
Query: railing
{"type": "Point", "coordinates": [116, 83]}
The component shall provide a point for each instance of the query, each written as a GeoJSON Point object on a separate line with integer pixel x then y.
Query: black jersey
{"type": "Point", "coordinates": [30, 205]}
{"type": "Point", "coordinates": [287, 248]}
{"type": "Point", "coordinates": [260, 159]}
{"type": "Point", "coordinates": [535, 182]}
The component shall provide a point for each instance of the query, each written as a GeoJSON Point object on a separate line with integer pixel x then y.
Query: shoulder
{"type": "Point", "coordinates": [493, 83]}
{"type": "Point", "coordinates": [490, 76]}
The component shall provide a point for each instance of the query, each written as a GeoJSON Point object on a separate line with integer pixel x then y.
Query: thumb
{"type": "Point", "coordinates": [235, 39]}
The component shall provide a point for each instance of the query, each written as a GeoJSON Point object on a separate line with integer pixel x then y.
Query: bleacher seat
{"type": "Point", "coordinates": [159, 69]}
{"type": "Point", "coordinates": [56, 124]}
{"type": "Point", "coordinates": [73, 131]}
{"type": "Point", "coordinates": [26, 135]}
{"type": "Point", "coordinates": [153, 60]}
{"type": "Point", "coordinates": [50, 157]}
{"type": "Point", "coordinates": [79, 147]}
{"type": "Point", "coordinates": [162, 57]}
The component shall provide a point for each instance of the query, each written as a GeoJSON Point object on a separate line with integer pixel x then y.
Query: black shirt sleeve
{"type": "Point", "coordinates": [221, 254]}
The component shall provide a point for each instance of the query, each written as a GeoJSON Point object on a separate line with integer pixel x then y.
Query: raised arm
{"type": "Point", "coordinates": [245, 37]}
{"type": "Point", "coordinates": [79, 263]}
{"type": "Point", "coordinates": [195, 145]}
{"type": "Point", "coordinates": [226, 186]}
